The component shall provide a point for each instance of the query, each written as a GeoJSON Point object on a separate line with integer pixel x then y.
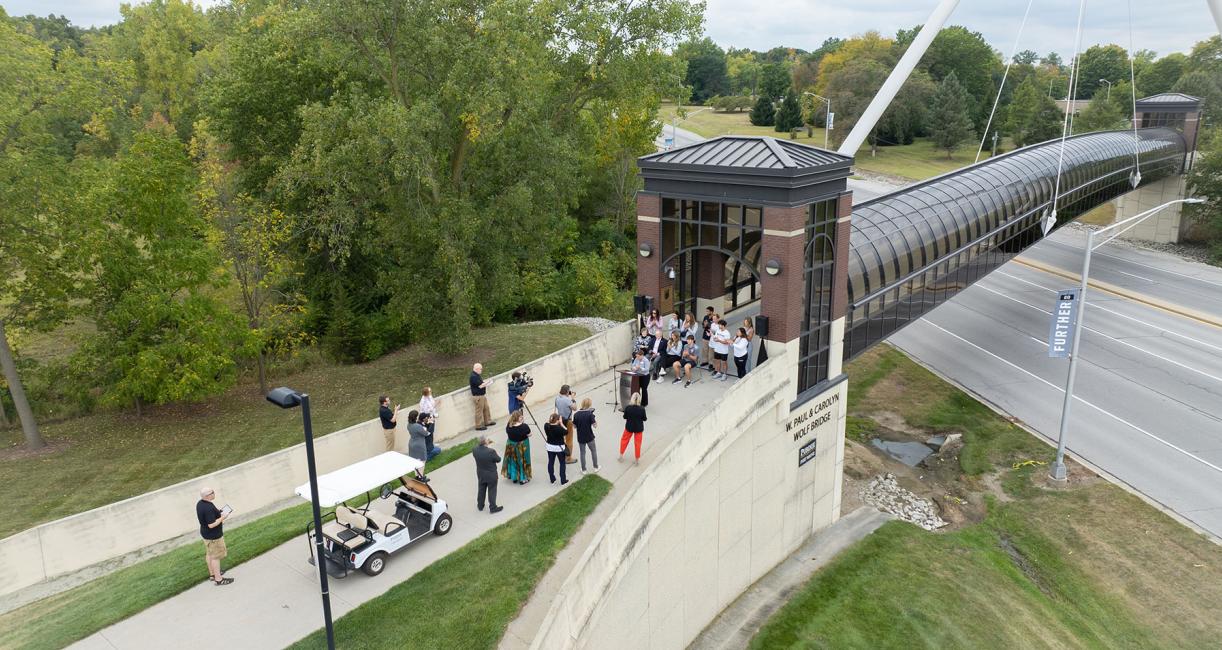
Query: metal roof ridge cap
{"type": "Point", "coordinates": [778, 151]}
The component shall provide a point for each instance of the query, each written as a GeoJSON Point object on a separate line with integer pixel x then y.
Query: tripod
{"type": "Point", "coordinates": [614, 388]}
{"type": "Point", "coordinates": [528, 412]}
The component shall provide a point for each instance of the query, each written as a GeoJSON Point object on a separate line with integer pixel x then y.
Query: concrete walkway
{"type": "Point", "coordinates": [274, 600]}
{"type": "Point", "coordinates": [737, 624]}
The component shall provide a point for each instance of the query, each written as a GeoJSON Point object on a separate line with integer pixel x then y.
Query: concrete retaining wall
{"type": "Point", "coordinates": [724, 504]}
{"type": "Point", "coordinates": [101, 534]}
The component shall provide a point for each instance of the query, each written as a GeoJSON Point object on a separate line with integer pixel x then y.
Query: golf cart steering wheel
{"type": "Point", "coordinates": [386, 491]}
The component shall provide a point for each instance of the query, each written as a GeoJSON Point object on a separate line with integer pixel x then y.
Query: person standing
{"type": "Point", "coordinates": [565, 403]}
{"type": "Point", "coordinates": [428, 417]}
{"type": "Point", "coordinates": [706, 333]}
{"type": "Point", "coordinates": [554, 433]}
{"type": "Point", "coordinates": [634, 427]}
{"type": "Point", "coordinates": [720, 342]}
{"type": "Point", "coordinates": [417, 445]}
{"type": "Point", "coordinates": [390, 419]}
{"type": "Point", "coordinates": [486, 459]}
{"type": "Point", "coordinates": [749, 327]}
{"type": "Point", "coordinates": [517, 450]}
{"type": "Point", "coordinates": [742, 349]}
{"type": "Point", "coordinates": [584, 421]}
{"type": "Point", "coordinates": [479, 397]}
{"type": "Point", "coordinates": [640, 367]}
{"type": "Point", "coordinates": [211, 528]}
{"type": "Point", "coordinates": [517, 391]}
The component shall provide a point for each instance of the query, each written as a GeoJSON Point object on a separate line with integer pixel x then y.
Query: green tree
{"type": "Point", "coordinates": [908, 115]}
{"type": "Point", "coordinates": [790, 115]}
{"type": "Point", "coordinates": [950, 120]}
{"type": "Point", "coordinates": [1027, 57]}
{"type": "Point", "coordinates": [1100, 114]}
{"type": "Point", "coordinates": [1110, 62]}
{"type": "Point", "coordinates": [744, 71]}
{"type": "Point", "coordinates": [1160, 76]}
{"type": "Point", "coordinates": [1205, 181]}
{"type": "Point", "coordinates": [763, 113]}
{"type": "Point", "coordinates": [1205, 86]}
{"type": "Point", "coordinates": [965, 53]}
{"type": "Point", "coordinates": [850, 88]}
{"type": "Point", "coordinates": [706, 69]}
{"type": "Point", "coordinates": [1032, 117]}
{"type": "Point", "coordinates": [161, 336]}
{"type": "Point", "coordinates": [774, 81]}
{"type": "Point", "coordinates": [1051, 59]}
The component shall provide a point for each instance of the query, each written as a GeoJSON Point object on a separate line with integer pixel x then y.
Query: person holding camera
{"type": "Point", "coordinates": [428, 417]}
{"type": "Point", "coordinates": [554, 433]}
{"type": "Point", "coordinates": [565, 404]}
{"type": "Point", "coordinates": [390, 420]}
{"type": "Point", "coordinates": [519, 384]}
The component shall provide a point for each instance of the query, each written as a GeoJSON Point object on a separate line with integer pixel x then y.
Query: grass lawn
{"type": "Point", "coordinates": [916, 161]}
{"type": "Point", "coordinates": [1085, 566]}
{"type": "Point", "coordinates": [61, 619]}
{"type": "Point", "coordinates": [468, 598]}
{"type": "Point", "coordinates": [106, 457]}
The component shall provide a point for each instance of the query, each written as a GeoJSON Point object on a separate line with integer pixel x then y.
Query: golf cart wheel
{"type": "Point", "coordinates": [443, 524]}
{"type": "Point", "coordinates": [375, 564]}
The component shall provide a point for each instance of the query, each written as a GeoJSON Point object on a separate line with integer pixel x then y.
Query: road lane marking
{"type": "Point", "coordinates": [1134, 275]}
{"type": "Point", "coordinates": [1079, 399]}
{"type": "Point", "coordinates": [1095, 305]}
{"type": "Point", "coordinates": [1075, 249]}
{"type": "Point", "coordinates": [1124, 343]}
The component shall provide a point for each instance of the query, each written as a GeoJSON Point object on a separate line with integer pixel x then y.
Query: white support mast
{"type": "Point", "coordinates": [904, 68]}
{"type": "Point", "coordinates": [1215, 8]}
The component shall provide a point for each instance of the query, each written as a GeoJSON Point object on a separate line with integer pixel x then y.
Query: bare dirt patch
{"type": "Point", "coordinates": [20, 452]}
{"type": "Point", "coordinates": [443, 362]}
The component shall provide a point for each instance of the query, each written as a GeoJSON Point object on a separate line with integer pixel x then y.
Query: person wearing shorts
{"type": "Point", "coordinates": [211, 528]}
{"type": "Point", "coordinates": [720, 342]}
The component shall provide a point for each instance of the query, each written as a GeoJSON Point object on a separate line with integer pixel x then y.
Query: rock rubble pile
{"type": "Point", "coordinates": [884, 492]}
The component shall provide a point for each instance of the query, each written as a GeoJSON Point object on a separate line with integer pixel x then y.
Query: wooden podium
{"type": "Point", "coordinates": [629, 383]}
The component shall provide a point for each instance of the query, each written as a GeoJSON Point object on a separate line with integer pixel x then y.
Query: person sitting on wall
{"type": "Point", "coordinates": [688, 359]}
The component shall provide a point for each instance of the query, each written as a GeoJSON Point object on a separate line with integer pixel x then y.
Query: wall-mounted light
{"type": "Point", "coordinates": [670, 272]}
{"type": "Point", "coordinates": [645, 249]}
{"type": "Point", "coordinates": [773, 268]}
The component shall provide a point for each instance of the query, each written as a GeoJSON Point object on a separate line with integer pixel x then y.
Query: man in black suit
{"type": "Point", "coordinates": [486, 459]}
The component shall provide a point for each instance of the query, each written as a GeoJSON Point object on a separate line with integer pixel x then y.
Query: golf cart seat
{"type": "Point", "coordinates": [349, 527]}
{"type": "Point", "coordinates": [386, 524]}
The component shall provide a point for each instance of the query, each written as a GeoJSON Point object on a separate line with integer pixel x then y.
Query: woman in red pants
{"type": "Point", "coordinates": [634, 427]}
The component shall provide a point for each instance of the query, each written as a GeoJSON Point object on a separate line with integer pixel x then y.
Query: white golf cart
{"type": "Point", "coordinates": [362, 538]}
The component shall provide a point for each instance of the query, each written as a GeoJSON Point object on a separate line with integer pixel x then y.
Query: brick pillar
{"type": "Point", "coordinates": [840, 277]}
{"type": "Point", "coordinates": [649, 231]}
{"type": "Point", "coordinates": [710, 274]}
{"type": "Point", "coordinates": [784, 240]}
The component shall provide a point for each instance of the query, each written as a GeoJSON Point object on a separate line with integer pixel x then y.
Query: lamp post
{"type": "Point", "coordinates": [1109, 89]}
{"type": "Point", "coordinates": [675, 122]}
{"type": "Point", "coordinates": [1058, 467]}
{"type": "Point", "coordinates": [827, 124]}
{"type": "Point", "coordinates": [287, 398]}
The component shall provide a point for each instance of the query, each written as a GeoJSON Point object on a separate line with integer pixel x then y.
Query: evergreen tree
{"type": "Point", "coordinates": [1032, 117]}
{"type": "Point", "coordinates": [790, 115]}
{"type": "Point", "coordinates": [764, 113]}
{"type": "Point", "coordinates": [950, 118]}
{"type": "Point", "coordinates": [1101, 114]}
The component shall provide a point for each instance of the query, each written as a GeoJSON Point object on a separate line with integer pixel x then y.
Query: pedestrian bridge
{"type": "Point", "coordinates": [914, 249]}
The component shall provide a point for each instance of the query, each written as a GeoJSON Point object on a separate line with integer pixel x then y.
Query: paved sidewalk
{"type": "Point", "coordinates": [737, 624]}
{"type": "Point", "coordinates": [274, 600]}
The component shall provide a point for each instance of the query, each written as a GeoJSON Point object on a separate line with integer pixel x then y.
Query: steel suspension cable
{"type": "Point", "coordinates": [1135, 177]}
{"type": "Point", "coordinates": [1069, 106]}
{"type": "Point", "coordinates": [1004, 75]}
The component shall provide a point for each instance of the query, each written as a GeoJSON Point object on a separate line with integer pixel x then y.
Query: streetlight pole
{"type": "Point", "coordinates": [1058, 466]}
{"type": "Point", "coordinates": [827, 126]}
{"type": "Point", "coordinates": [1109, 89]}
{"type": "Point", "coordinates": [287, 398]}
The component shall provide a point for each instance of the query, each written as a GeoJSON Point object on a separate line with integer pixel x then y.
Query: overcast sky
{"type": "Point", "coordinates": [1164, 25]}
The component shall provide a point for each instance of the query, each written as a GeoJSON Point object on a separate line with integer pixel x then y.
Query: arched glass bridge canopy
{"type": "Point", "coordinates": [914, 249]}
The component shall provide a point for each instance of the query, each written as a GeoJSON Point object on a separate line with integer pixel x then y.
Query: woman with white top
{"type": "Point", "coordinates": [742, 350]}
{"type": "Point", "coordinates": [428, 417]}
{"type": "Point", "coordinates": [750, 328]}
{"type": "Point", "coordinates": [689, 327]}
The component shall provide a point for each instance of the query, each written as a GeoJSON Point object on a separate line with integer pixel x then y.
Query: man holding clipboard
{"type": "Point", "coordinates": [211, 528]}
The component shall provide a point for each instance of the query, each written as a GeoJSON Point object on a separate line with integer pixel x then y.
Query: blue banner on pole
{"type": "Point", "coordinates": [1064, 314]}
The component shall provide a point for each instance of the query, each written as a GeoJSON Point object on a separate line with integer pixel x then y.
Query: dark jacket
{"type": "Point", "coordinates": [555, 433]}
{"type": "Point", "coordinates": [486, 459]}
{"type": "Point", "coordinates": [583, 421]}
{"type": "Point", "coordinates": [634, 414]}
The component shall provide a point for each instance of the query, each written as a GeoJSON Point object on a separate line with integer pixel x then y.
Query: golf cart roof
{"type": "Point", "coordinates": [358, 478]}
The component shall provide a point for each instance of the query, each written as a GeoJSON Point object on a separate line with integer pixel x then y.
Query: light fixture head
{"type": "Point", "coordinates": [1194, 200]}
{"type": "Point", "coordinates": [773, 267]}
{"type": "Point", "coordinates": [284, 397]}
{"type": "Point", "coordinates": [645, 249]}
{"type": "Point", "coordinates": [670, 272]}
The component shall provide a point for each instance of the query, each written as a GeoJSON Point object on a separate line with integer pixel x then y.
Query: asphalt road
{"type": "Point", "coordinates": [1148, 396]}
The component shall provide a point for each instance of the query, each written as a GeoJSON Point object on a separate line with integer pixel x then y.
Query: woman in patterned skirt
{"type": "Point", "coordinates": [516, 466]}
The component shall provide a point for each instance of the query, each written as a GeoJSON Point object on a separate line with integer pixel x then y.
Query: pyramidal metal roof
{"type": "Point", "coordinates": [743, 152]}
{"type": "Point", "coordinates": [1169, 98]}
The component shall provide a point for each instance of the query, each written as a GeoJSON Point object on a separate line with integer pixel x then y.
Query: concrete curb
{"type": "Point", "coordinates": [1164, 305]}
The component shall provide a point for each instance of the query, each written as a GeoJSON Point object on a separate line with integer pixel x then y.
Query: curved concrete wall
{"type": "Point", "coordinates": [79, 541]}
{"type": "Point", "coordinates": [725, 503]}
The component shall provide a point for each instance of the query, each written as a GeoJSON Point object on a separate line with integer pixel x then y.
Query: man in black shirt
{"type": "Point", "coordinates": [389, 421]}
{"type": "Point", "coordinates": [212, 530]}
{"type": "Point", "coordinates": [479, 396]}
{"type": "Point", "coordinates": [710, 315]}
